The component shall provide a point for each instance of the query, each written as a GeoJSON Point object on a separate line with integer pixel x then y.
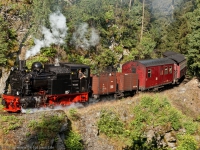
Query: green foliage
{"type": "Point", "coordinates": [198, 118]}
{"type": "Point", "coordinates": [73, 141]}
{"type": "Point", "coordinates": [73, 114]}
{"type": "Point", "coordinates": [193, 44]}
{"type": "Point", "coordinates": [46, 126]}
{"type": "Point", "coordinates": [190, 126]}
{"type": "Point", "coordinates": [117, 26]}
{"type": "Point", "coordinates": [48, 51]}
{"type": "Point", "coordinates": [187, 142]}
{"type": "Point", "coordinates": [40, 11]}
{"type": "Point", "coordinates": [110, 124]}
{"type": "Point", "coordinates": [40, 58]}
{"type": "Point", "coordinates": [146, 47]}
{"type": "Point", "coordinates": [110, 59]}
{"type": "Point", "coordinates": [155, 111]}
{"type": "Point", "coordinates": [10, 122]}
{"type": "Point", "coordinates": [8, 44]}
{"type": "Point", "coordinates": [1, 106]}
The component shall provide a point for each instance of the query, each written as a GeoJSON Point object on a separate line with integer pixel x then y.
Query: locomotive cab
{"type": "Point", "coordinates": [79, 84]}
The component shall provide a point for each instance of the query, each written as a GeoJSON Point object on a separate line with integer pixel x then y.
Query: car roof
{"type": "Point", "coordinates": [156, 62]}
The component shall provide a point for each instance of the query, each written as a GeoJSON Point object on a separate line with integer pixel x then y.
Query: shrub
{"type": "Point", "coordinates": [190, 126]}
{"type": "Point", "coordinates": [187, 142]}
{"type": "Point", "coordinates": [73, 114]}
{"type": "Point", "coordinates": [47, 126]}
{"type": "Point", "coordinates": [154, 111]}
{"type": "Point", "coordinates": [110, 124]}
{"type": "Point", "coordinates": [73, 141]}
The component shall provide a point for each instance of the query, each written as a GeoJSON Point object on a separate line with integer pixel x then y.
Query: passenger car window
{"type": "Point", "coordinates": [149, 73]}
{"type": "Point", "coordinates": [166, 70]}
{"type": "Point", "coordinates": [161, 71]}
{"type": "Point", "coordinates": [170, 69]}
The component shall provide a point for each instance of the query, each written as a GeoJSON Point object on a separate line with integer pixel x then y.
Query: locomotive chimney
{"type": "Point", "coordinates": [22, 64]}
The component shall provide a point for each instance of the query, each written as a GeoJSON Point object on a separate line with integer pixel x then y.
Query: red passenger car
{"type": "Point", "coordinates": [180, 66]}
{"type": "Point", "coordinates": [152, 73]}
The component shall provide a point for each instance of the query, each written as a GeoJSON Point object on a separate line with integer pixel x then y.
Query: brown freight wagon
{"type": "Point", "coordinates": [127, 83]}
{"type": "Point", "coordinates": [103, 84]}
{"type": "Point", "coordinates": [119, 84]}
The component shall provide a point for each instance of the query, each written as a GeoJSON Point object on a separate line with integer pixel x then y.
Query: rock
{"type": "Point", "coordinates": [170, 139]}
{"type": "Point", "coordinates": [4, 77]}
{"type": "Point", "coordinates": [150, 134]}
{"type": "Point", "coordinates": [59, 144]}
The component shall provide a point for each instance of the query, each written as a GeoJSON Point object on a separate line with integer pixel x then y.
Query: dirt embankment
{"type": "Point", "coordinates": [186, 97]}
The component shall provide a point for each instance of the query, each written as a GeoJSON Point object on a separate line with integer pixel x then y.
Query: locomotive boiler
{"type": "Point", "coordinates": [47, 85]}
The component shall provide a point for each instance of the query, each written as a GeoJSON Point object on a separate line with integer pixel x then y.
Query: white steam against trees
{"type": "Point", "coordinates": [55, 35]}
{"type": "Point", "coordinates": [85, 37]}
{"type": "Point", "coordinates": [165, 7]}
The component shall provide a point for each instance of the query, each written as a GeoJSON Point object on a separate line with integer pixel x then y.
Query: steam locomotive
{"type": "Point", "coordinates": [45, 86]}
{"type": "Point", "coordinates": [51, 85]}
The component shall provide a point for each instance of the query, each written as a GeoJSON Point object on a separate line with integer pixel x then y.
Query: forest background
{"type": "Point", "coordinates": [101, 33]}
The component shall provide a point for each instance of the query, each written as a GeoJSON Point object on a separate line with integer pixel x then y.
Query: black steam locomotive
{"type": "Point", "coordinates": [46, 86]}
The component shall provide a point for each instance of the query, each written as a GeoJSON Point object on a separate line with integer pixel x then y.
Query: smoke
{"type": "Point", "coordinates": [58, 107]}
{"type": "Point", "coordinates": [163, 8]}
{"type": "Point", "coordinates": [85, 37]}
{"type": "Point", "coordinates": [56, 62]}
{"type": "Point", "coordinates": [55, 35]}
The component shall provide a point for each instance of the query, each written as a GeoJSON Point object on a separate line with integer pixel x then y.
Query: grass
{"type": "Point", "coordinates": [10, 122]}
{"type": "Point", "coordinates": [1, 106]}
{"type": "Point", "coordinates": [47, 126]}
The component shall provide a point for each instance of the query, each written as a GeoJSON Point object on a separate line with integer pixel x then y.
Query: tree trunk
{"type": "Point", "coordinates": [172, 10]}
{"type": "Point", "coordinates": [130, 5]}
{"type": "Point", "coordinates": [142, 28]}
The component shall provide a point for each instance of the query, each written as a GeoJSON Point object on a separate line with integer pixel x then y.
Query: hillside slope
{"type": "Point", "coordinates": [185, 97]}
{"type": "Point", "coordinates": [17, 130]}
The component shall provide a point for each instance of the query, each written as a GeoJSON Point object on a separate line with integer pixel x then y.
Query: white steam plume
{"type": "Point", "coordinates": [55, 35]}
{"type": "Point", "coordinates": [85, 37]}
{"type": "Point", "coordinates": [58, 107]}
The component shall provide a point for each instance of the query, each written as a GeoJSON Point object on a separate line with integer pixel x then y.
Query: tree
{"type": "Point", "coordinates": [8, 43]}
{"type": "Point", "coordinates": [193, 39]}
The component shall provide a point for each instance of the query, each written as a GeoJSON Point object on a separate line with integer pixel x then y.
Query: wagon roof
{"type": "Point", "coordinates": [177, 57]}
{"type": "Point", "coordinates": [169, 53]}
{"type": "Point", "coordinates": [156, 62]}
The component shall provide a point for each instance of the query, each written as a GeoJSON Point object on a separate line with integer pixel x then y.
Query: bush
{"type": "Point", "coordinates": [73, 141]}
{"type": "Point", "coordinates": [187, 142]}
{"type": "Point", "coordinates": [154, 111]}
{"type": "Point", "coordinates": [73, 114]}
{"type": "Point", "coordinates": [47, 126]}
{"type": "Point", "coordinates": [110, 124]}
{"type": "Point", "coordinates": [190, 126]}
